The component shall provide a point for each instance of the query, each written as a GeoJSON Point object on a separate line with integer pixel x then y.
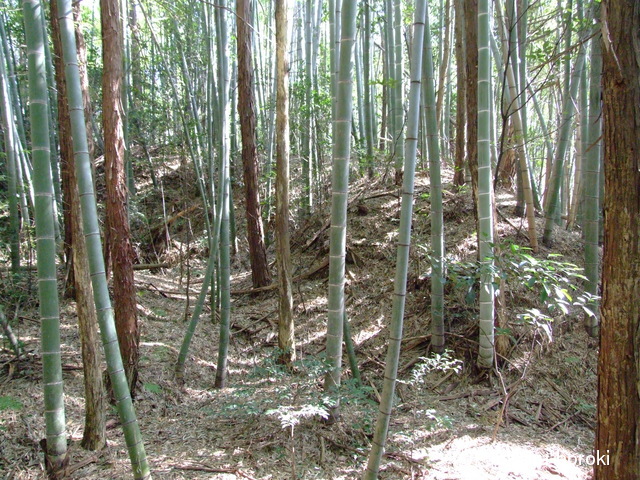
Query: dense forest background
{"type": "Point", "coordinates": [339, 239]}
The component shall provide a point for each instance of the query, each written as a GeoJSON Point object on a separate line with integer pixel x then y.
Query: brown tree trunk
{"type": "Point", "coordinates": [444, 64]}
{"type": "Point", "coordinates": [94, 437]}
{"type": "Point", "coordinates": [617, 431]}
{"type": "Point", "coordinates": [286, 339]}
{"type": "Point", "coordinates": [81, 46]}
{"type": "Point", "coordinates": [471, 40]}
{"type": "Point", "coordinates": [461, 116]}
{"type": "Point", "coordinates": [117, 231]}
{"type": "Point", "coordinates": [66, 149]}
{"type": "Point", "coordinates": [246, 110]}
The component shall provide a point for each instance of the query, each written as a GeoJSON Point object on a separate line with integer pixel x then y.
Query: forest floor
{"type": "Point", "coordinates": [533, 418]}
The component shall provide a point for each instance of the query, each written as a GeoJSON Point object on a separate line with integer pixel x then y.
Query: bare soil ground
{"type": "Point", "coordinates": [534, 419]}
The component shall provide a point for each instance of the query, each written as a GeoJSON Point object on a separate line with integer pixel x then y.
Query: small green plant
{"type": "Point", "coordinates": [437, 362]}
{"type": "Point", "coordinates": [436, 420]}
{"type": "Point", "coordinates": [10, 403]}
{"type": "Point", "coordinates": [290, 416]}
{"type": "Point", "coordinates": [556, 283]}
{"type": "Point", "coordinates": [152, 387]}
{"type": "Point", "coordinates": [554, 280]}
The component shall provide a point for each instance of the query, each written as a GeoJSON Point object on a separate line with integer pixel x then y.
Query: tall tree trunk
{"type": "Point", "coordinates": [513, 99]}
{"type": "Point", "coordinates": [10, 149]}
{"type": "Point", "coordinates": [437, 230]}
{"type": "Point", "coordinates": [485, 188]}
{"type": "Point", "coordinates": [404, 240]}
{"type": "Point", "coordinates": [444, 64]}
{"type": "Point", "coordinates": [246, 109]}
{"type": "Point", "coordinates": [117, 232]}
{"type": "Point", "coordinates": [54, 413]}
{"type": "Point", "coordinates": [286, 340]}
{"type": "Point", "coordinates": [471, 39]}
{"type": "Point", "coordinates": [339, 194]}
{"type": "Point", "coordinates": [94, 436]}
{"type": "Point", "coordinates": [369, 99]}
{"type": "Point", "coordinates": [461, 105]}
{"type": "Point", "coordinates": [223, 206]}
{"type": "Point", "coordinates": [618, 418]}
{"type": "Point", "coordinates": [398, 108]}
{"type": "Point", "coordinates": [553, 188]}
{"type": "Point", "coordinates": [124, 405]}
{"type": "Point", "coordinates": [84, 85]}
{"type": "Point", "coordinates": [592, 178]}
{"type": "Point", "coordinates": [306, 117]}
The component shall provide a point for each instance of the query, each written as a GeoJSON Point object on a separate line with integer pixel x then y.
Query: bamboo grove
{"type": "Point", "coordinates": [279, 107]}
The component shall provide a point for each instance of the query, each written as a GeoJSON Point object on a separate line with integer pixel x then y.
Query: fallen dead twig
{"type": "Point", "coordinates": [570, 401]}
{"type": "Point", "coordinates": [395, 455]}
{"type": "Point", "coordinates": [263, 318]}
{"type": "Point", "coordinates": [403, 456]}
{"type": "Point", "coordinates": [82, 463]}
{"type": "Point", "coordinates": [563, 421]}
{"type": "Point", "coordinates": [150, 266]}
{"type": "Point", "coordinates": [518, 230]}
{"type": "Point", "coordinates": [474, 393]}
{"type": "Point", "coordinates": [204, 468]}
{"type": "Point", "coordinates": [273, 286]}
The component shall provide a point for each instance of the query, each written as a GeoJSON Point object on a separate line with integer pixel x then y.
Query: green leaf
{"type": "Point", "coordinates": [10, 403]}
{"type": "Point", "coordinates": [152, 387]}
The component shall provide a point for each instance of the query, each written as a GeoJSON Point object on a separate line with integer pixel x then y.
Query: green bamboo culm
{"type": "Point", "coordinates": [568, 109]}
{"type": "Point", "coordinates": [225, 288]}
{"type": "Point", "coordinates": [516, 113]}
{"type": "Point", "coordinates": [124, 405]}
{"type": "Point", "coordinates": [45, 239]}
{"type": "Point", "coordinates": [195, 316]}
{"type": "Point", "coordinates": [404, 240]}
{"type": "Point", "coordinates": [224, 192]}
{"type": "Point", "coordinates": [437, 230]}
{"type": "Point", "coordinates": [398, 112]}
{"type": "Point", "coordinates": [592, 182]}
{"type": "Point", "coordinates": [485, 190]}
{"type": "Point", "coordinates": [339, 194]}
{"type": "Point", "coordinates": [10, 149]}
{"type": "Point", "coordinates": [351, 349]}
{"type": "Point", "coordinates": [214, 243]}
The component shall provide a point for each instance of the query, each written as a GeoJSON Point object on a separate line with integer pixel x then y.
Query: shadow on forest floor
{"type": "Point", "coordinates": [533, 421]}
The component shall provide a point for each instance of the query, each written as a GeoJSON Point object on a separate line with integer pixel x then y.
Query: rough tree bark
{"type": "Point", "coordinates": [246, 110]}
{"type": "Point", "coordinates": [461, 71]}
{"type": "Point", "coordinates": [286, 339]}
{"type": "Point", "coordinates": [118, 232]}
{"type": "Point", "coordinates": [471, 40]}
{"type": "Point", "coordinates": [617, 432]}
{"type": "Point", "coordinates": [94, 436]}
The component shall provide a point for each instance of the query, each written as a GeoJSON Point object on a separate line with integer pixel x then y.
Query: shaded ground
{"type": "Point", "coordinates": [533, 421]}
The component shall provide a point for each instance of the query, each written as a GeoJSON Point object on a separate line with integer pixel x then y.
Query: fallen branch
{"type": "Point", "coordinates": [359, 451]}
{"type": "Point", "coordinates": [202, 468]}
{"type": "Point", "coordinates": [327, 224]}
{"type": "Point", "coordinates": [273, 286]}
{"type": "Point", "coordinates": [570, 401]}
{"type": "Point", "coordinates": [473, 393]}
{"type": "Point", "coordinates": [83, 463]}
{"type": "Point", "coordinates": [263, 318]}
{"type": "Point", "coordinates": [518, 230]}
{"type": "Point", "coordinates": [392, 193]}
{"type": "Point", "coordinates": [150, 266]}
{"type": "Point", "coordinates": [173, 218]}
